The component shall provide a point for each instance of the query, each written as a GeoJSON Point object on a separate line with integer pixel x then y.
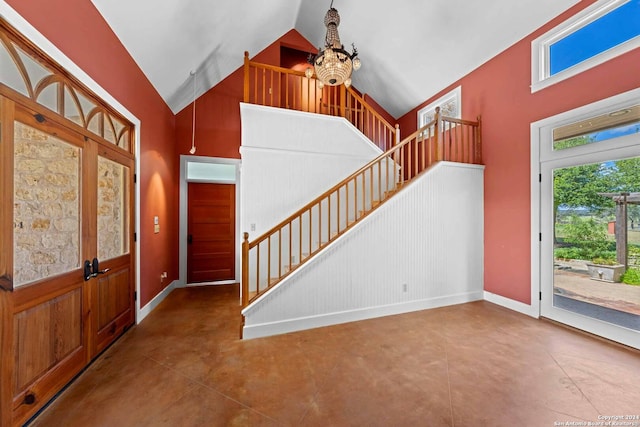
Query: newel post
{"type": "Point", "coordinates": [436, 132]}
{"type": "Point", "coordinates": [245, 270]}
{"type": "Point", "coordinates": [397, 135]}
{"type": "Point", "coordinates": [479, 141]}
{"type": "Point", "coordinates": [246, 76]}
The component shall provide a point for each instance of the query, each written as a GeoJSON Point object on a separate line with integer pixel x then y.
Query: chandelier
{"type": "Point", "coordinates": [333, 65]}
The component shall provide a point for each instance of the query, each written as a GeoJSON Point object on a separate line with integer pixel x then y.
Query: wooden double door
{"type": "Point", "coordinates": [68, 287]}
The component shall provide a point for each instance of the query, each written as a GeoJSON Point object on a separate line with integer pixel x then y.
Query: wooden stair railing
{"type": "Point", "coordinates": [274, 86]}
{"type": "Point", "coordinates": [291, 243]}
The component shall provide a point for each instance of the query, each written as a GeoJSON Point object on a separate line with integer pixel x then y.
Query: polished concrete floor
{"type": "Point", "coordinates": [475, 364]}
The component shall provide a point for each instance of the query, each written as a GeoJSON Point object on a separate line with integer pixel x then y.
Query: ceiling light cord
{"type": "Point", "coordinates": [193, 121]}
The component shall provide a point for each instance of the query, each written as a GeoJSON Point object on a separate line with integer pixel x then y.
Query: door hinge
{"type": "Point", "coordinates": [540, 237]}
{"type": "Point", "coordinates": [135, 178]}
{"type": "Point", "coordinates": [135, 237]}
{"type": "Point", "coordinates": [539, 177]}
{"type": "Point", "coordinates": [540, 295]}
{"type": "Point", "coordinates": [135, 295]}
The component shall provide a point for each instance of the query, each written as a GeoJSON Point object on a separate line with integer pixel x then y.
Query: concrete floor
{"type": "Point", "coordinates": [474, 364]}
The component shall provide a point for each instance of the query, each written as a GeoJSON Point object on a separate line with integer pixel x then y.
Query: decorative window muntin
{"type": "Point", "coordinates": [25, 72]}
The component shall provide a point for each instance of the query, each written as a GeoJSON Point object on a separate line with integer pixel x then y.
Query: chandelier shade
{"type": "Point", "coordinates": [333, 65]}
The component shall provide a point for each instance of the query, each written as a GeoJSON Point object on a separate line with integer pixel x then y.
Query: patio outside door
{"type": "Point", "coordinates": [582, 191]}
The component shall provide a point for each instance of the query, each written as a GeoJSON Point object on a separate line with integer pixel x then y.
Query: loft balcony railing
{"type": "Point", "coordinates": [273, 86]}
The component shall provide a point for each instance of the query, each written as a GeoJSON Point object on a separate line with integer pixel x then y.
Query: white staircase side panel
{"type": "Point", "coordinates": [421, 249]}
{"type": "Point", "coordinates": [289, 158]}
{"type": "Point", "coordinates": [282, 129]}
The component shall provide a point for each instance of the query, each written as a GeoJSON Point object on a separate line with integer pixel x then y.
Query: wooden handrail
{"type": "Point", "coordinates": [275, 86]}
{"type": "Point", "coordinates": [338, 186]}
{"type": "Point", "coordinates": [357, 96]}
{"type": "Point", "coordinates": [354, 198]}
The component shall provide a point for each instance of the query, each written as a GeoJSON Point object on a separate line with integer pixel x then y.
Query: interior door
{"type": "Point", "coordinates": [211, 232]}
{"type": "Point", "coordinates": [569, 294]}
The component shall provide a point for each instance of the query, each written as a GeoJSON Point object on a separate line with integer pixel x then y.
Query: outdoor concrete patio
{"type": "Point", "coordinates": [572, 281]}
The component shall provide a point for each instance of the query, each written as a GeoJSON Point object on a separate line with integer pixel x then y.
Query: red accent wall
{"type": "Point", "coordinates": [78, 30]}
{"type": "Point", "coordinates": [218, 110]}
{"type": "Point", "coordinates": [500, 91]}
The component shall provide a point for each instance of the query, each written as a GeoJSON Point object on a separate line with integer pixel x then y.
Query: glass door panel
{"type": "Point", "coordinates": [46, 231]}
{"type": "Point", "coordinates": [113, 209]}
{"type": "Point", "coordinates": [590, 268]}
{"type": "Point", "coordinates": [112, 288]}
{"type": "Point", "coordinates": [592, 241]}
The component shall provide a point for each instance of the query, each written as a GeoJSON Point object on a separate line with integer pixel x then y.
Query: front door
{"type": "Point", "coordinates": [211, 232]}
{"type": "Point", "coordinates": [72, 201]}
{"type": "Point", "coordinates": [66, 229]}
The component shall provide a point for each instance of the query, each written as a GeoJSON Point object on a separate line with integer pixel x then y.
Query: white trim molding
{"type": "Point", "coordinates": [530, 310]}
{"type": "Point", "coordinates": [151, 305]}
{"type": "Point", "coordinates": [184, 183]}
{"type": "Point", "coordinates": [328, 319]}
{"type": "Point", "coordinates": [540, 67]}
{"type": "Point", "coordinates": [450, 105]}
{"type": "Point", "coordinates": [41, 42]}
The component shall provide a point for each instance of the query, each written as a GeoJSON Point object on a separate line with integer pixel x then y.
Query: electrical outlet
{"type": "Point", "coordinates": [253, 227]}
{"type": "Point", "coordinates": [404, 287]}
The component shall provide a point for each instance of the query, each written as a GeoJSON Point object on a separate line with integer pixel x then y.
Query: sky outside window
{"type": "Point", "coordinates": [608, 31]}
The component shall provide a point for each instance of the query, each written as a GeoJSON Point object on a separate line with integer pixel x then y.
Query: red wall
{"type": "Point", "coordinates": [218, 110]}
{"type": "Point", "coordinates": [500, 91]}
{"type": "Point", "coordinates": [78, 30]}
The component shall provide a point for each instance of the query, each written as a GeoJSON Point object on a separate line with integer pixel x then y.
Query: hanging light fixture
{"type": "Point", "coordinates": [333, 65]}
{"type": "Point", "coordinates": [193, 119]}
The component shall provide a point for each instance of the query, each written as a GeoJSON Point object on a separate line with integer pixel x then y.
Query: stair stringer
{"type": "Point", "coordinates": [429, 237]}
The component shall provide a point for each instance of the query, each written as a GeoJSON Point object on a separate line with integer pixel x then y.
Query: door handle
{"type": "Point", "coordinates": [92, 269]}
{"type": "Point", "coordinates": [190, 239]}
{"type": "Point", "coordinates": [96, 268]}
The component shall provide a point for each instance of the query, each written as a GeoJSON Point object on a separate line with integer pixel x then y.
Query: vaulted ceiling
{"type": "Point", "coordinates": [410, 49]}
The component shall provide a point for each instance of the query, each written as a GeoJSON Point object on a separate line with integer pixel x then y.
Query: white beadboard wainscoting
{"type": "Point", "coordinates": [421, 249]}
{"type": "Point", "coordinates": [289, 158]}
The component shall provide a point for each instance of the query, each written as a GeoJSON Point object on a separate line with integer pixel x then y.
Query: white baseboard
{"type": "Point", "coordinates": [529, 310]}
{"type": "Point", "coordinates": [303, 323]}
{"type": "Point", "coordinates": [151, 305]}
{"type": "Point", "coordinates": [219, 283]}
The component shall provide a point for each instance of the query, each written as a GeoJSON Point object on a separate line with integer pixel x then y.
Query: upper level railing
{"type": "Point", "coordinates": [291, 243]}
{"type": "Point", "coordinates": [274, 86]}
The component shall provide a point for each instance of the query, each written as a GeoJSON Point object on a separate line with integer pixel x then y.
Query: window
{"type": "Point", "coordinates": [450, 106]}
{"type": "Point", "coordinates": [625, 121]}
{"type": "Point", "coordinates": [217, 172]}
{"type": "Point", "coordinates": [601, 32]}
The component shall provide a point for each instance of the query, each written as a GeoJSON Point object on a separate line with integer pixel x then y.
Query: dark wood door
{"type": "Point", "coordinates": [211, 231]}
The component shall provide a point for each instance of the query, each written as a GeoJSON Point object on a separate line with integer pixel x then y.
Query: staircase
{"type": "Point", "coordinates": [274, 256]}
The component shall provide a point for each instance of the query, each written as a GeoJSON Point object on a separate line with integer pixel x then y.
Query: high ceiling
{"type": "Point", "coordinates": [410, 49]}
